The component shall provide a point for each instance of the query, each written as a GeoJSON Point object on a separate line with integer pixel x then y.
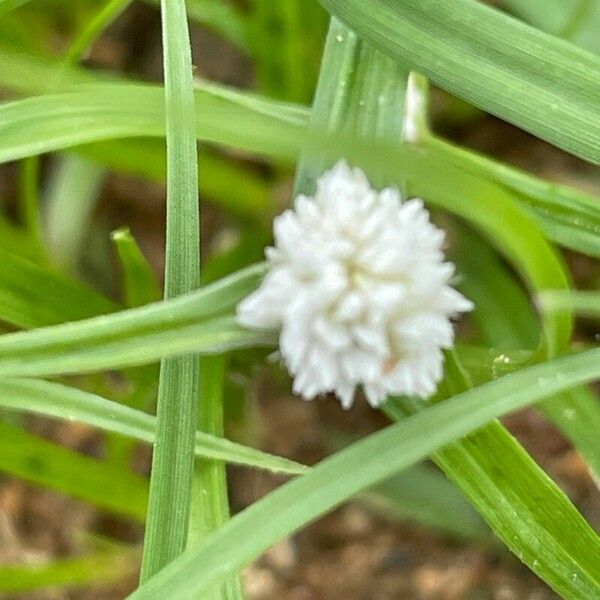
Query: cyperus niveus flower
{"type": "Point", "coordinates": [359, 289]}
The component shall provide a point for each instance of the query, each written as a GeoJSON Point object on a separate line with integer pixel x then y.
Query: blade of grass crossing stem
{"type": "Point", "coordinates": [492, 60]}
{"type": "Point", "coordinates": [95, 481]}
{"type": "Point", "coordinates": [205, 338]}
{"type": "Point", "coordinates": [57, 401]}
{"type": "Point", "coordinates": [232, 187]}
{"type": "Point", "coordinates": [173, 458]}
{"type": "Point", "coordinates": [198, 321]}
{"type": "Point", "coordinates": [560, 539]}
{"type": "Point", "coordinates": [277, 130]}
{"type": "Point", "coordinates": [210, 505]}
{"type": "Point", "coordinates": [519, 501]}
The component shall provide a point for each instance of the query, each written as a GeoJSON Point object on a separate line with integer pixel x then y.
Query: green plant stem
{"type": "Point", "coordinates": [583, 302]}
{"type": "Point", "coordinates": [94, 29]}
{"type": "Point", "coordinates": [173, 459]}
{"type": "Point", "coordinates": [210, 505]}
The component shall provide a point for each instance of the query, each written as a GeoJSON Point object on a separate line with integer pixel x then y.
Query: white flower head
{"type": "Point", "coordinates": [359, 290]}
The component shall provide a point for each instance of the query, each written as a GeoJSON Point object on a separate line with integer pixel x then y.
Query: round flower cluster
{"type": "Point", "coordinates": [358, 287]}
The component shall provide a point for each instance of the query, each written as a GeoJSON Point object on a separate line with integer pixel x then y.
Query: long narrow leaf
{"type": "Point", "coordinates": [103, 112]}
{"type": "Point", "coordinates": [137, 336]}
{"type": "Point", "coordinates": [62, 402]}
{"type": "Point", "coordinates": [45, 463]}
{"type": "Point", "coordinates": [377, 457]}
{"type": "Point", "coordinates": [91, 570]}
{"type": "Point", "coordinates": [492, 60]}
{"type": "Point", "coordinates": [32, 295]}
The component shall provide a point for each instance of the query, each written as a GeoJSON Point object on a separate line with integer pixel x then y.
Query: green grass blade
{"type": "Point", "coordinates": [506, 320]}
{"type": "Point", "coordinates": [44, 463]}
{"type": "Point", "coordinates": [584, 303]}
{"type": "Point", "coordinates": [575, 20]}
{"type": "Point", "coordinates": [193, 322]}
{"type": "Point", "coordinates": [379, 456]}
{"type": "Point", "coordinates": [565, 215]}
{"type": "Point", "coordinates": [17, 240]}
{"type": "Point", "coordinates": [140, 286]}
{"type": "Point", "coordinates": [62, 402]}
{"type": "Point", "coordinates": [111, 111]}
{"type": "Point", "coordinates": [210, 504]}
{"type": "Point", "coordinates": [94, 28]}
{"type": "Point", "coordinates": [93, 570]}
{"type": "Point", "coordinates": [352, 73]}
{"type": "Point", "coordinates": [33, 295]}
{"type": "Point", "coordinates": [177, 407]}
{"type": "Point", "coordinates": [70, 198]}
{"type": "Point", "coordinates": [42, 124]}
{"type": "Point", "coordinates": [506, 486]}
{"type": "Point", "coordinates": [232, 187]}
{"type": "Point", "coordinates": [492, 60]}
